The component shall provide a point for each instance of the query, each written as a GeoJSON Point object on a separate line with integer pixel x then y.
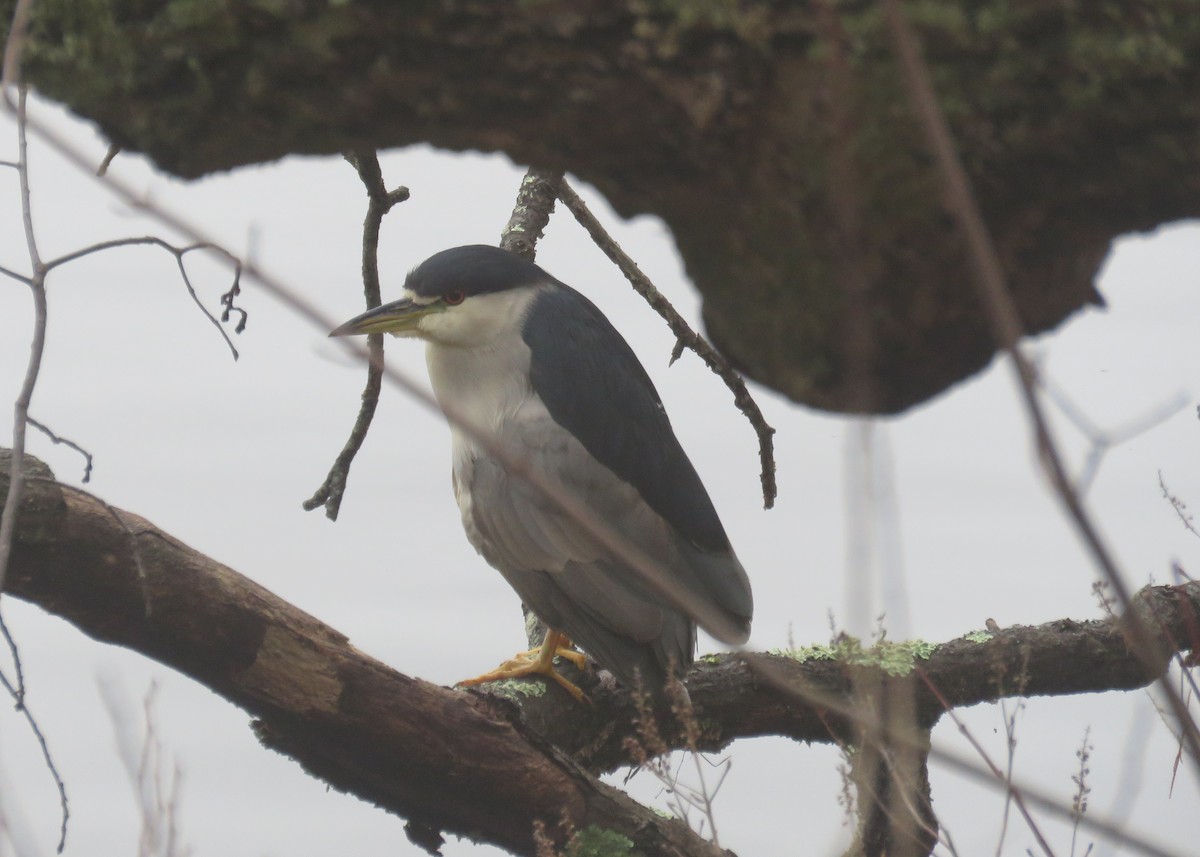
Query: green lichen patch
{"type": "Point", "coordinates": [803, 654]}
{"type": "Point", "coordinates": [594, 841]}
{"type": "Point", "coordinates": [518, 688]}
{"type": "Point", "coordinates": [978, 636]}
{"type": "Point", "coordinates": [895, 659]}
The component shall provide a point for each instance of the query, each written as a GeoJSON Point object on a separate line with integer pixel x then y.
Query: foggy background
{"type": "Point", "coordinates": [946, 505]}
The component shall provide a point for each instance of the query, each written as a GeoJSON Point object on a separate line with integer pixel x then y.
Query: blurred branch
{"type": "Point", "coordinates": [380, 201]}
{"type": "Point", "coordinates": [357, 724]}
{"type": "Point", "coordinates": [1007, 330]}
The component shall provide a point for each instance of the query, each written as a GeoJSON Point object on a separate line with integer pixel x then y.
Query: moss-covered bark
{"type": "Point", "coordinates": [1077, 122]}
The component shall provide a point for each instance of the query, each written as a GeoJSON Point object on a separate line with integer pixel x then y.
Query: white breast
{"type": "Point", "coordinates": [485, 387]}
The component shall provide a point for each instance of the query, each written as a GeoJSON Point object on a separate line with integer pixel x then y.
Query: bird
{"type": "Point", "coordinates": [533, 364]}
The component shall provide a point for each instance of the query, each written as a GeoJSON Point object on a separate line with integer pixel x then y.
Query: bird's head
{"type": "Point", "coordinates": [461, 297]}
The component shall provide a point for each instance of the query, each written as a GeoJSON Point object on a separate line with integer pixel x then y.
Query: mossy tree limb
{"type": "Point", "coordinates": [1077, 123]}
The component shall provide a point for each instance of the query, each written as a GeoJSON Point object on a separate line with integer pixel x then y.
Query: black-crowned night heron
{"type": "Point", "coordinates": [522, 356]}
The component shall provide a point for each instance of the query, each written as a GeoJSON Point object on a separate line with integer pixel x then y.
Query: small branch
{"type": "Point", "coordinates": [379, 202]}
{"type": "Point", "coordinates": [20, 278]}
{"type": "Point", "coordinates": [18, 693]}
{"type": "Point", "coordinates": [1185, 517]}
{"type": "Point", "coordinates": [531, 213]}
{"type": "Point", "coordinates": [56, 440]}
{"type": "Point", "coordinates": [113, 151]}
{"type": "Point", "coordinates": [178, 252]}
{"type": "Point", "coordinates": [16, 475]}
{"type": "Point", "coordinates": [37, 286]}
{"type": "Point", "coordinates": [1011, 791]}
{"type": "Point", "coordinates": [685, 337]}
{"type": "Point", "coordinates": [1010, 734]}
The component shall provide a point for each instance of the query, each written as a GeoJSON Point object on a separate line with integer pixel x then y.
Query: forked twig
{"type": "Point", "coordinates": [56, 440]}
{"type": "Point", "coordinates": [227, 299]}
{"type": "Point", "coordinates": [685, 337]}
{"type": "Point", "coordinates": [380, 201]}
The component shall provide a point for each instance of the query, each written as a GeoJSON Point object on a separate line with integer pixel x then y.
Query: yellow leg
{"type": "Point", "coordinates": [539, 661]}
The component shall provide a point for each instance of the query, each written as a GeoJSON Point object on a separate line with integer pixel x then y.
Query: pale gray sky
{"type": "Point", "coordinates": [221, 454]}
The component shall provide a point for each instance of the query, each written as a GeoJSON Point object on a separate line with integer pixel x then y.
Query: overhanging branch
{"type": "Point", "coordinates": [1075, 122]}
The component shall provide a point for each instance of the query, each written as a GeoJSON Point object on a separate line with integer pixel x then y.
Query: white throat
{"type": "Point", "coordinates": [479, 364]}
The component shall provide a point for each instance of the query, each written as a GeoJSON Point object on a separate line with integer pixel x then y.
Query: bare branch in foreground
{"type": "Point", "coordinates": [1007, 330]}
{"type": "Point", "coordinates": [380, 201]}
{"type": "Point", "coordinates": [56, 440]}
{"type": "Point", "coordinates": [446, 759]}
{"type": "Point", "coordinates": [685, 337]}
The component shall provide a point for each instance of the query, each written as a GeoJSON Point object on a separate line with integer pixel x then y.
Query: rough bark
{"type": "Point", "coordinates": [1076, 122]}
{"type": "Point", "coordinates": [489, 765]}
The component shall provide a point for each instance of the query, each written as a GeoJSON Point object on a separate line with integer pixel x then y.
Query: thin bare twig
{"type": "Point", "coordinates": [1007, 330]}
{"type": "Point", "coordinates": [379, 202]}
{"type": "Point", "coordinates": [1185, 517]}
{"type": "Point", "coordinates": [1006, 778]}
{"type": "Point", "coordinates": [23, 707]}
{"type": "Point", "coordinates": [16, 485]}
{"type": "Point", "coordinates": [178, 252]}
{"type": "Point", "coordinates": [1079, 803]}
{"type": "Point", "coordinates": [37, 288]}
{"type": "Point", "coordinates": [20, 278]}
{"type": "Point", "coordinates": [56, 440]}
{"type": "Point", "coordinates": [17, 690]}
{"type": "Point", "coordinates": [1010, 740]}
{"type": "Point", "coordinates": [684, 335]}
{"type": "Point", "coordinates": [113, 151]}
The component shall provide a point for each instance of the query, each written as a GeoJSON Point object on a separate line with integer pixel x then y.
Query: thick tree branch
{"type": "Point", "coordinates": [480, 764]}
{"type": "Point", "coordinates": [1074, 121]}
{"type": "Point", "coordinates": [442, 758]}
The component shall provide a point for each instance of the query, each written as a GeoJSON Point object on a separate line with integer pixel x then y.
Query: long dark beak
{"type": "Point", "coordinates": [397, 318]}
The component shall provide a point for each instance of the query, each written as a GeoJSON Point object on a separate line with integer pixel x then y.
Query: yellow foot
{"type": "Point", "coordinates": [539, 661]}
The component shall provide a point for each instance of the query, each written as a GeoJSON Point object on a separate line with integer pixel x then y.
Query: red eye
{"type": "Point", "coordinates": [455, 296]}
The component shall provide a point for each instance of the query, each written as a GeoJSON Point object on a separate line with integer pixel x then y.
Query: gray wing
{"type": "Point", "coordinates": [567, 578]}
{"type": "Point", "coordinates": [621, 422]}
